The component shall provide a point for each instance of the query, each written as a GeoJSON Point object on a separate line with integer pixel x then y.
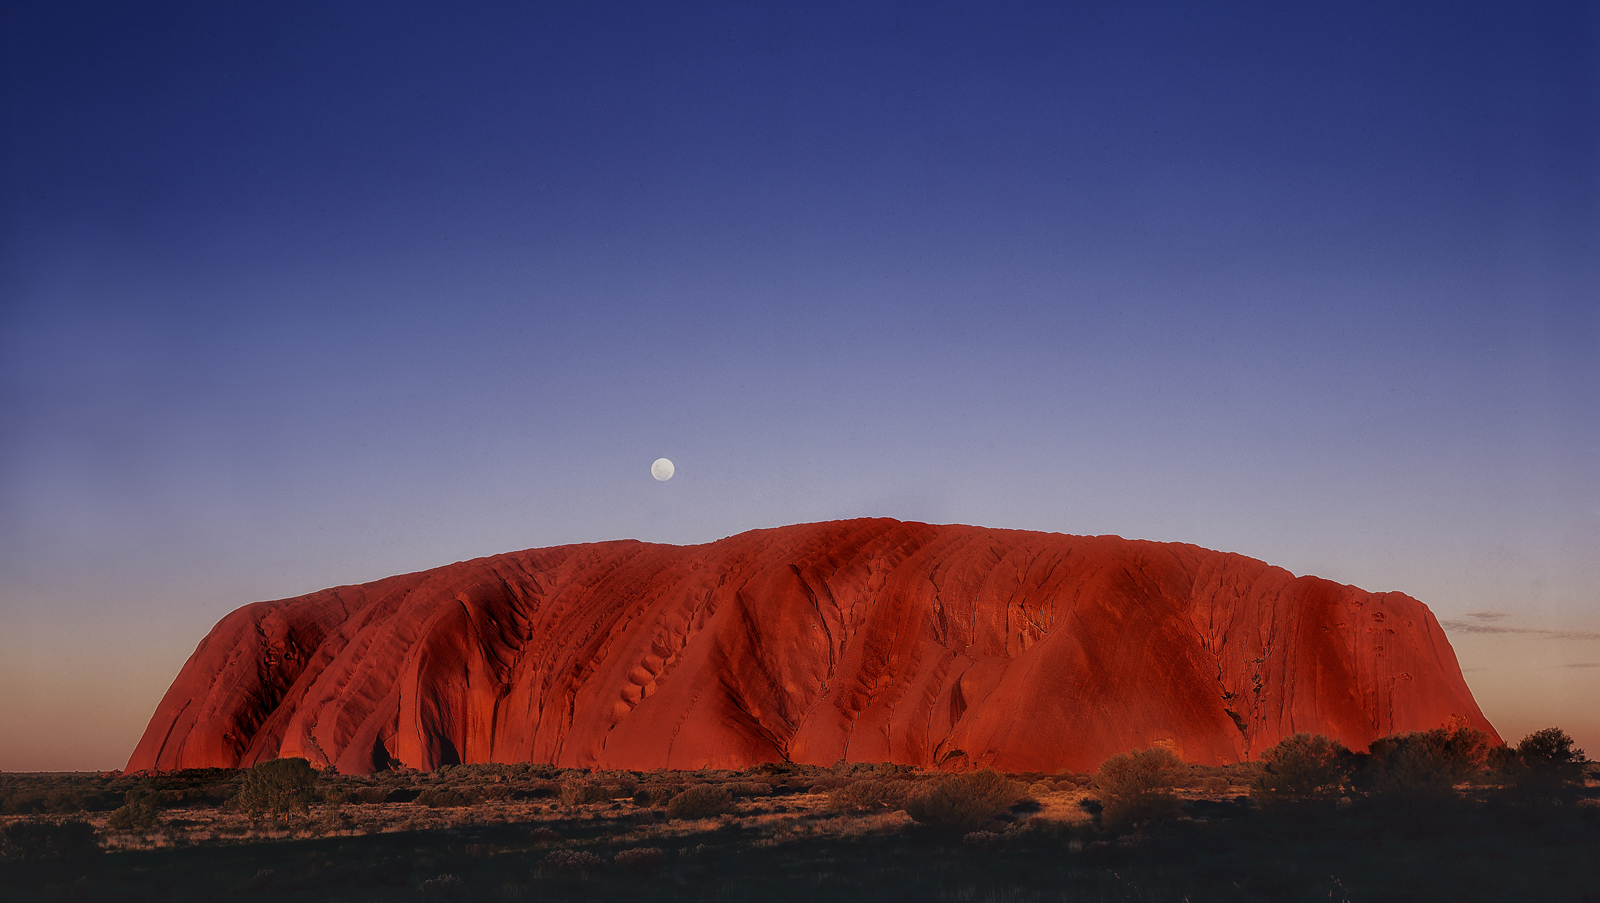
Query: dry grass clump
{"type": "Point", "coordinates": [36, 840]}
{"type": "Point", "coordinates": [449, 797]}
{"type": "Point", "coordinates": [137, 813]}
{"type": "Point", "coordinates": [963, 803]}
{"type": "Point", "coordinates": [278, 787]}
{"type": "Point", "coordinates": [643, 861]}
{"type": "Point", "coordinates": [1071, 780]}
{"type": "Point", "coordinates": [572, 862]}
{"type": "Point", "coordinates": [578, 792]}
{"type": "Point", "coordinates": [748, 788]}
{"type": "Point", "coordinates": [1136, 789]}
{"type": "Point", "coordinates": [444, 887]}
{"type": "Point", "coordinates": [701, 801]}
{"type": "Point", "coordinates": [652, 795]}
{"type": "Point", "coordinates": [543, 834]}
{"type": "Point", "coordinates": [870, 795]}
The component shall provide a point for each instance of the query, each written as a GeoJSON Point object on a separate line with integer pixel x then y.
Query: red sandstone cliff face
{"type": "Point", "coordinates": [865, 640]}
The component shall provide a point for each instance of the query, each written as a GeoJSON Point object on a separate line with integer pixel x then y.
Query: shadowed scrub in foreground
{"type": "Point", "coordinates": [1478, 854]}
{"type": "Point", "coordinates": [1338, 827]}
{"type": "Point", "coordinates": [1136, 789]}
{"type": "Point", "coordinates": [961, 803]}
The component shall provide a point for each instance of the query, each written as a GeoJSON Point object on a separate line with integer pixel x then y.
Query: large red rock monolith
{"type": "Point", "coordinates": [864, 640]}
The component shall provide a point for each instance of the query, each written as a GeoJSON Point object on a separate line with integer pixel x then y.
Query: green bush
{"type": "Point", "coordinates": [1425, 766]}
{"type": "Point", "coordinates": [870, 795]}
{"type": "Point", "coordinates": [55, 801]}
{"type": "Point", "coordinates": [1135, 789]}
{"type": "Point", "coordinates": [655, 794]}
{"type": "Point", "coordinates": [576, 792]}
{"type": "Point", "coordinates": [1551, 749]}
{"type": "Point", "coordinates": [36, 841]}
{"type": "Point", "coordinates": [1304, 768]}
{"type": "Point", "coordinates": [366, 794]}
{"type": "Point", "coordinates": [137, 813]}
{"type": "Point", "coordinates": [279, 786]}
{"type": "Point", "coordinates": [643, 861]}
{"type": "Point", "coordinates": [448, 797]}
{"type": "Point", "coordinates": [1546, 768]}
{"type": "Point", "coordinates": [961, 803]}
{"type": "Point", "coordinates": [572, 862]}
{"type": "Point", "coordinates": [444, 887]}
{"type": "Point", "coordinates": [701, 801]}
{"type": "Point", "coordinates": [749, 788]}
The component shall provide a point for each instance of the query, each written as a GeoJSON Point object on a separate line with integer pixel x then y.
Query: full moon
{"type": "Point", "coordinates": [662, 469]}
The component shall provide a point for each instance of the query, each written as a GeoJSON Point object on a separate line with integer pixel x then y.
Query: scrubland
{"type": "Point", "coordinates": [1433, 816]}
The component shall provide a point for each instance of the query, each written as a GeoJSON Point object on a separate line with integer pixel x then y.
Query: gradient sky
{"type": "Point", "coordinates": [313, 294]}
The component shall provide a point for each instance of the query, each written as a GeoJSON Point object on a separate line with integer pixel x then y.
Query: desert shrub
{"type": "Point", "coordinates": [444, 887]}
{"type": "Point", "coordinates": [858, 771]}
{"type": "Point", "coordinates": [137, 813]}
{"type": "Point", "coordinates": [447, 797]}
{"type": "Point", "coordinates": [58, 800]}
{"type": "Point", "coordinates": [279, 786]}
{"type": "Point", "coordinates": [701, 801]}
{"type": "Point", "coordinates": [642, 861]}
{"type": "Point", "coordinates": [1304, 768]}
{"type": "Point", "coordinates": [962, 803]}
{"type": "Point", "coordinates": [576, 792]}
{"type": "Point", "coordinates": [572, 862]}
{"type": "Point", "coordinates": [34, 841]}
{"type": "Point", "coordinates": [263, 879]}
{"type": "Point", "coordinates": [543, 835]}
{"type": "Point", "coordinates": [620, 783]}
{"type": "Point", "coordinates": [1551, 748]}
{"type": "Point", "coordinates": [366, 794]}
{"type": "Point", "coordinates": [1545, 767]}
{"type": "Point", "coordinates": [537, 788]}
{"type": "Point", "coordinates": [869, 795]}
{"type": "Point", "coordinates": [1502, 764]}
{"type": "Point", "coordinates": [1425, 766]}
{"type": "Point", "coordinates": [655, 794]}
{"type": "Point", "coordinates": [22, 802]}
{"type": "Point", "coordinates": [1215, 785]}
{"type": "Point", "coordinates": [749, 788]}
{"type": "Point", "coordinates": [828, 783]}
{"type": "Point", "coordinates": [1136, 789]}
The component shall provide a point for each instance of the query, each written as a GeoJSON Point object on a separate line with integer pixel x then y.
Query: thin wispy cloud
{"type": "Point", "coordinates": [1490, 615]}
{"type": "Point", "coordinates": [1485, 626]}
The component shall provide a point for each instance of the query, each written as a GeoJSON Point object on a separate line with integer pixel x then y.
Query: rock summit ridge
{"type": "Point", "coordinates": [865, 640]}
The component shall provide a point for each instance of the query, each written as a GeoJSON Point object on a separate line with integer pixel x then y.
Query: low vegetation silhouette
{"type": "Point", "coordinates": [1440, 814]}
{"type": "Point", "coordinates": [278, 787]}
{"type": "Point", "coordinates": [1304, 770]}
{"type": "Point", "coordinates": [1135, 789]}
{"type": "Point", "coordinates": [962, 803]}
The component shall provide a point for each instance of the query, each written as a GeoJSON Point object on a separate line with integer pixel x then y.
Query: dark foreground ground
{"type": "Point", "coordinates": [788, 843]}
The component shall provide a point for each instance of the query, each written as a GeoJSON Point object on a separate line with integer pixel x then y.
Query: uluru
{"type": "Point", "coordinates": [869, 640]}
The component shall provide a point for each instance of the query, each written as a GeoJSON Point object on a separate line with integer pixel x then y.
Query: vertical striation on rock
{"type": "Point", "coordinates": [864, 640]}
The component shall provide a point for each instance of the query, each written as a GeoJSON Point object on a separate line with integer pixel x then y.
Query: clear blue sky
{"type": "Point", "coordinates": [312, 294]}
